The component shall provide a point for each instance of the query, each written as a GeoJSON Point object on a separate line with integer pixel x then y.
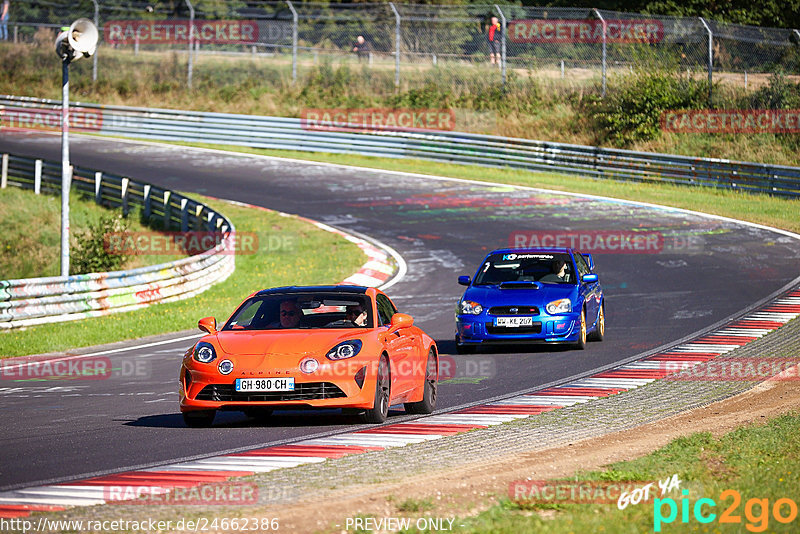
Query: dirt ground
{"type": "Point", "coordinates": [473, 487]}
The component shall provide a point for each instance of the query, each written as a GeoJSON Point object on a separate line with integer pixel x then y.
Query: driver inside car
{"type": "Point", "coordinates": [356, 314]}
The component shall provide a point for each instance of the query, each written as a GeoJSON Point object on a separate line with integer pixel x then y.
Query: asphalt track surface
{"type": "Point", "coordinates": [56, 431]}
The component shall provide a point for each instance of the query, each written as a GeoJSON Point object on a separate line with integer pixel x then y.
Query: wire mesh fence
{"type": "Point", "coordinates": [414, 45]}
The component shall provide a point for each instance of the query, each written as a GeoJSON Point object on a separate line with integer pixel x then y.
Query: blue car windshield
{"type": "Point", "coordinates": [508, 268]}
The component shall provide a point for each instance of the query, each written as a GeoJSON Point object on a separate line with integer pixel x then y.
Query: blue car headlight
{"type": "Point", "coordinates": [344, 350]}
{"type": "Point", "coordinates": [469, 307]}
{"type": "Point", "coordinates": [204, 352]}
{"type": "Point", "coordinates": [559, 306]}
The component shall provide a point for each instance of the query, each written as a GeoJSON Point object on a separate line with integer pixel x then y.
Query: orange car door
{"type": "Point", "coordinates": [401, 348]}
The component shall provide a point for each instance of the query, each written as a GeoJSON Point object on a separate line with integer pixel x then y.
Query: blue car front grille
{"type": "Point", "coordinates": [535, 328]}
{"type": "Point", "coordinates": [513, 310]}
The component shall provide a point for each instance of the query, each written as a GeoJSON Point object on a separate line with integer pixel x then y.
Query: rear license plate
{"type": "Point", "coordinates": [513, 322]}
{"type": "Point", "coordinates": [264, 384]}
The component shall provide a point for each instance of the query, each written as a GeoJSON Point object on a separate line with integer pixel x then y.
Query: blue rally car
{"type": "Point", "coordinates": [531, 295]}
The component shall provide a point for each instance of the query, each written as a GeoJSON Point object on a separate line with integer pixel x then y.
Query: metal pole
{"type": "Point", "coordinates": [502, 43]}
{"type": "Point", "coordinates": [66, 175]}
{"type": "Point", "coordinates": [797, 33]}
{"type": "Point", "coordinates": [294, 41]}
{"type": "Point", "coordinates": [605, 31]}
{"type": "Point", "coordinates": [396, 45]}
{"type": "Point", "coordinates": [191, 42]}
{"type": "Point", "coordinates": [710, 56]}
{"type": "Point", "coordinates": [96, 23]}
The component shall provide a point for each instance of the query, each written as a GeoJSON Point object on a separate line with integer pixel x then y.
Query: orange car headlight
{"type": "Point", "coordinates": [204, 352]}
{"type": "Point", "coordinates": [344, 350]}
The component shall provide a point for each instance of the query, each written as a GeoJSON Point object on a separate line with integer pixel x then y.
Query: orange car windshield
{"type": "Point", "coordinates": [303, 310]}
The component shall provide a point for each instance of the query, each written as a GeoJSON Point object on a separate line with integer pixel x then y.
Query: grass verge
{"type": "Point", "coordinates": [760, 464]}
{"type": "Point", "coordinates": [757, 208]}
{"type": "Point", "coordinates": [290, 251]}
{"type": "Point", "coordinates": [30, 244]}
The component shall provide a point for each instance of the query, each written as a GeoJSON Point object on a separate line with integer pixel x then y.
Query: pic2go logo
{"type": "Point", "coordinates": [756, 511]}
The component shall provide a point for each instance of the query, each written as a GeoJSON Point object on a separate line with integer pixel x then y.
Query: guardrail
{"type": "Point", "coordinates": [454, 147]}
{"type": "Point", "coordinates": [33, 301]}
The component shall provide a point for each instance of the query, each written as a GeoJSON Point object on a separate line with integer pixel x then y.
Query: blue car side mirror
{"type": "Point", "coordinates": [589, 278]}
{"type": "Point", "coordinates": [463, 280]}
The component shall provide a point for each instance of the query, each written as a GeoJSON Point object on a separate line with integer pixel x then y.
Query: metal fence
{"type": "Point", "coordinates": [411, 45]}
{"type": "Point", "coordinates": [455, 147]}
{"type": "Point", "coordinates": [33, 301]}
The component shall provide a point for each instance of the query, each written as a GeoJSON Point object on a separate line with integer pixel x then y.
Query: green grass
{"type": "Point", "coordinates": [759, 462]}
{"type": "Point", "coordinates": [306, 255]}
{"type": "Point", "coordinates": [757, 208]}
{"type": "Point", "coordinates": [30, 244]}
{"type": "Point", "coordinates": [533, 105]}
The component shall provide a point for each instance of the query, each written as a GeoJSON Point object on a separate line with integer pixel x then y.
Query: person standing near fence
{"type": "Point", "coordinates": [4, 20]}
{"type": "Point", "coordinates": [494, 35]}
{"type": "Point", "coordinates": [362, 48]}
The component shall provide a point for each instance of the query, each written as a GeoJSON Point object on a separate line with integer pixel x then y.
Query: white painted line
{"type": "Point", "coordinates": [537, 401]}
{"type": "Point", "coordinates": [705, 348]}
{"type": "Point", "coordinates": [470, 419]}
{"type": "Point", "coordinates": [612, 382]}
{"type": "Point", "coordinates": [222, 467]}
{"type": "Point", "coordinates": [380, 440]}
{"type": "Point", "coordinates": [544, 396]}
{"type": "Point", "coordinates": [79, 492]}
{"type": "Point", "coordinates": [110, 351]}
{"type": "Point", "coordinates": [288, 459]}
{"type": "Point", "coordinates": [52, 501]}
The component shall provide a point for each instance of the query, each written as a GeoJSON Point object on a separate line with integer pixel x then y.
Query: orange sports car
{"type": "Point", "coordinates": [322, 346]}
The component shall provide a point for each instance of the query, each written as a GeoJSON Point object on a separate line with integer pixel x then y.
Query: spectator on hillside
{"type": "Point", "coordinates": [362, 48]}
{"type": "Point", "coordinates": [4, 20]}
{"type": "Point", "coordinates": [494, 37]}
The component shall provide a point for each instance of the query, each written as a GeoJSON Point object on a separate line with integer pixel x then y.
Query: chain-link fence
{"type": "Point", "coordinates": [413, 45]}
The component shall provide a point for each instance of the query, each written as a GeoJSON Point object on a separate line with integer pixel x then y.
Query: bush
{"type": "Point", "coordinates": [781, 93]}
{"type": "Point", "coordinates": [89, 254]}
{"type": "Point", "coordinates": [632, 109]}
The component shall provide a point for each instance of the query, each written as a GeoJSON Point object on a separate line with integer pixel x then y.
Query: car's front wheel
{"type": "Point", "coordinates": [581, 343]}
{"type": "Point", "coordinates": [199, 418]}
{"type": "Point", "coordinates": [428, 402]}
{"type": "Point", "coordinates": [380, 406]}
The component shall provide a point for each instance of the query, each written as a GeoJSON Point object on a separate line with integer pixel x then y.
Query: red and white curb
{"type": "Point", "coordinates": [218, 469]}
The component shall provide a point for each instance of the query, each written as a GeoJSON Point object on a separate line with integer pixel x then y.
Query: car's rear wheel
{"type": "Point", "coordinates": [260, 414]}
{"type": "Point", "coordinates": [380, 406]}
{"type": "Point", "coordinates": [199, 418]}
{"type": "Point", "coordinates": [428, 402]}
{"type": "Point", "coordinates": [581, 343]}
{"type": "Point", "coordinates": [600, 330]}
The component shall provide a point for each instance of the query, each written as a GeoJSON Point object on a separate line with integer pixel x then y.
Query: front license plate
{"type": "Point", "coordinates": [264, 384]}
{"type": "Point", "coordinates": [513, 322]}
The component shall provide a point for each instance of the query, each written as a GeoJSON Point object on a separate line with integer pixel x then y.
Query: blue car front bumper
{"type": "Point", "coordinates": [478, 329]}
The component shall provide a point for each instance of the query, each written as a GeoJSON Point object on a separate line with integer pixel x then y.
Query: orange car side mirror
{"type": "Point", "coordinates": [207, 324]}
{"type": "Point", "coordinates": [400, 321]}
